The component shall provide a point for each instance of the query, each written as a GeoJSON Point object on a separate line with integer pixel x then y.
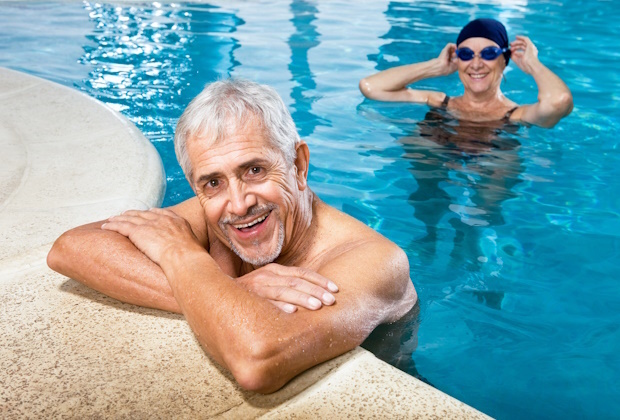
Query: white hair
{"type": "Point", "coordinates": [224, 107]}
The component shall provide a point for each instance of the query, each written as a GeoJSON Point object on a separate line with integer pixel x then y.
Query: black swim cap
{"type": "Point", "coordinates": [486, 28]}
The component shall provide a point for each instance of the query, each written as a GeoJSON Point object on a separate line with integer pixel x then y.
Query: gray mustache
{"type": "Point", "coordinates": [252, 211]}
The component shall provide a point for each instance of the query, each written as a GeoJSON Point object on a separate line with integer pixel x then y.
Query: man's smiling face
{"type": "Point", "coordinates": [248, 191]}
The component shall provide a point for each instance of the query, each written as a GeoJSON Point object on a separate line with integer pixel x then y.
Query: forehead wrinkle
{"type": "Point", "coordinates": [255, 140]}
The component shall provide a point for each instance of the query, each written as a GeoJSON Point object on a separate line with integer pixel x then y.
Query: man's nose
{"type": "Point", "coordinates": [239, 200]}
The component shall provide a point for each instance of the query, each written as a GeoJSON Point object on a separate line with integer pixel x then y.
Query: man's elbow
{"type": "Point", "coordinates": [256, 380]}
{"type": "Point", "coordinates": [56, 255]}
{"type": "Point", "coordinates": [256, 368]}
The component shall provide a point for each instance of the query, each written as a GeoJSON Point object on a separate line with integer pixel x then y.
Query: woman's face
{"type": "Point", "coordinates": [478, 75]}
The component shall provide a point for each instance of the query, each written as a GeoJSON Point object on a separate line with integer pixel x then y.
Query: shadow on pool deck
{"type": "Point", "coordinates": [69, 351]}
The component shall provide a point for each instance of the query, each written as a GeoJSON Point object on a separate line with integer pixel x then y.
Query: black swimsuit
{"type": "Point", "coordinates": [444, 106]}
{"type": "Point", "coordinates": [472, 137]}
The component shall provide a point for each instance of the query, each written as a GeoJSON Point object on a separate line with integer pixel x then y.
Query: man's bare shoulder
{"type": "Point", "coordinates": [338, 229]}
{"type": "Point", "coordinates": [192, 211]}
{"type": "Point", "coordinates": [364, 261]}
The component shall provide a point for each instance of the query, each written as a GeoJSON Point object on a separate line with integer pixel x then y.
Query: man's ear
{"type": "Point", "coordinates": [302, 162]}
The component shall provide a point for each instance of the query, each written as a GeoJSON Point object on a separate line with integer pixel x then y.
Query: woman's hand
{"type": "Point", "coordinates": [524, 54]}
{"type": "Point", "coordinates": [446, 61]}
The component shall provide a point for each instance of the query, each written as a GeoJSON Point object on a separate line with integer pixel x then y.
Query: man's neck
{"type": "Point", "coordinates": [302, 234]}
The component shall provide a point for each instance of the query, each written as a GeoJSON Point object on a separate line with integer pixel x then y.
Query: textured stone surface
{"type": "Point", "coordinates": [67, 351]}
{"type": "Point", "coordinates": [66, 160]}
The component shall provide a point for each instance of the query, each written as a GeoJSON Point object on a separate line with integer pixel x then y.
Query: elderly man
{"type": "Point", "coordinates": [255, 260]}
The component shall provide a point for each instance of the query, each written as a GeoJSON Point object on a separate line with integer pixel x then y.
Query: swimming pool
{"type": "Point", "coordinates": [514, 250]}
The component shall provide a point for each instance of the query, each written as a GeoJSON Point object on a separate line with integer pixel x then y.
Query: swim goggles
{"type": "Point", "coordinates": [488, 53]}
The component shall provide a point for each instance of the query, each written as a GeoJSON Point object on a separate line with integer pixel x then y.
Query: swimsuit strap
{"type": "Point", "coordinates": [509, 113]}
{"type": "Point", "coordinates": [444, 103]}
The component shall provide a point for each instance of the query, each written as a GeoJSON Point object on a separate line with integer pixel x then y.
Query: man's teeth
{"type": "Point", "coordinates": [477, 76]}
{"type": "Point", "coordinates": [260, 219]}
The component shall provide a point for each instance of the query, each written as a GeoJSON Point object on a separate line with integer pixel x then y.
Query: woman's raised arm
{"type": "Point", "coordinates": [391, 85]}
{"type": "Point", "coordinates": [555, 100]}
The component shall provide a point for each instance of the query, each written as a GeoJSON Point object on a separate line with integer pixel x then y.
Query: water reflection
{"type": "Point", "coordinates": [135, 59]}
{"type": "Point", "coordinates": [461, 175]}
{"type": "Point", "coordinates": [464, 172]}
{"type": "Point", "coordinates": [301, 42]}
{"type": "Point", "coordinates": [149, 61]}
{"type": "Point", "coordinates": [395, 343]}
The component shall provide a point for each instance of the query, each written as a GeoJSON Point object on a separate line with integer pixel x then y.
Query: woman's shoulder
{"type": "Point", "coordinates": [510, 112]}
{"type": "Point", "coordinates": [437, 99]}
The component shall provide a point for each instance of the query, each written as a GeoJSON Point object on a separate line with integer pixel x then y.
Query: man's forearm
{"type": "Point", "coordinates": [262, 346]}
{"type": "Point", "coordinates": [109, 263]}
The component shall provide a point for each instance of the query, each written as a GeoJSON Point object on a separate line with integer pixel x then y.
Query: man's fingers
{"type": "Point", "coordinates": [293, 296]}
{"type": "Point", "coordinates": [303, 273]}
{"type": "Point", "coordinates": [307, 282]}
{"type": "Point", "coordinates": [124, 228]}
{"type": "Point", "coordinates": [293, 285]}
{"type": "Point", "coordinates": [147, 214]}
{"type": "Point", "coordinates": [319, 280]}
{"type": "Point", "coordinates": [130, 222]}
{"type": "Point", "coordinates": [312, 290]}
{"type": "Point", "coordinates": [132, 216]}
{"type": "Point", "coordinates": [286, 307]}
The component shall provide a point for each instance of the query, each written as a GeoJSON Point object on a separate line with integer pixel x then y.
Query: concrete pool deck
{"type": "Point", "coordinates": [69, 351]}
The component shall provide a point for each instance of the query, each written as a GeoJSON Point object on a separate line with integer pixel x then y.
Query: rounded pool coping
{"type": "Point", "coordinates": [70, 351]}
{"type": "Point", "coordinates": [67, 160]}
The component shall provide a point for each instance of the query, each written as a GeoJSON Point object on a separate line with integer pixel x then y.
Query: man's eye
{"type": "Point", "coordinates": [255, 170]}
{"type": "Point", "coordinates": [213, 183]}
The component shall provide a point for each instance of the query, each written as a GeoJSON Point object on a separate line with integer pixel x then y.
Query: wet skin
{"type": "Point", "coordinates": [477, 75]}
{"type": "Point", "coordinates": [248, 193]}
{"type": "Point", "coordinates": [182, 259]}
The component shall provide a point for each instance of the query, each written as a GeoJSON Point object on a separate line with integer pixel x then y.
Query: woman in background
{"type": "Point", "coordinates": [480, 55]}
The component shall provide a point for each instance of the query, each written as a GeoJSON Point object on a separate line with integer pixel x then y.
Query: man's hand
{"type": "Point", "coordinates": [290, 287]}
{"type": "Point", "coordinates": [524, 54]}
{"type": "Point", "coordinates": [154, 231]}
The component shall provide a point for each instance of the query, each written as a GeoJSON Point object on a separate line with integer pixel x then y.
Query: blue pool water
{"type": "Point", "coordinates": [514, 250]}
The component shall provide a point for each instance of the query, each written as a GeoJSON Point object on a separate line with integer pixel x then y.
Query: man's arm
{"type": "Point", "coordinates": [111, 264]}
{"type": "Point", "coordinates": [263, 347]}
